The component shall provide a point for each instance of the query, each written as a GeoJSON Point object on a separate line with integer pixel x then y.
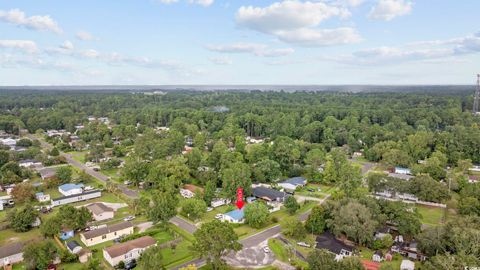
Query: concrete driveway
{"type": "Point", "coordinates": [251, 257]}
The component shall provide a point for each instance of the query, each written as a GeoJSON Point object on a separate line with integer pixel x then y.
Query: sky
{"type": "Point", "coordinates": [295, 42]}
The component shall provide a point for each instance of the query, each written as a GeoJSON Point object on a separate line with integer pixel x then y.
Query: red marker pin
{"type": "Point", "coordinates": [240, 202]}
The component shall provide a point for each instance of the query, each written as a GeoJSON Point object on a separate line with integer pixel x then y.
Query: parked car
{"type": "Point", "coordinates": [311, 190]}
{"type": "Point", "coordinates": [129, 218]}
{"type": "Point", "coordinates": [266, 249]}
{"type": "Point", "coordinates": [127, 182]}
{"type": "Point", "coordinates": [209, 209]}
{"type": "Point", "coordinates": [219, 216]}
{"type": "Point", "coordinates": [303, 244]}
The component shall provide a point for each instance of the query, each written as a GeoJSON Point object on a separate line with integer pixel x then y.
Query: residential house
{"type": "Point", "coordinates": [291, 184]}
{"type": "Point", "coordinates": [474, 168]}
{"type": "Point", "coordinates": [70, 189]}
{"type": "Point", "coordinates": [381, 233]}
{"type": "Point", "coordinates": [100, 211]}
{"type": "Point", "coordinates": [42, 197]}
{"type": "Point", "coordinates": [188, 191]}
{"type": "Point", "coordinates": [272, 197]}
{"type": "Point", "coordinates": [235, 216]}
{"type": "Point", "coordinates": [74, 247]}
{"type": "Point", "coordinates": [408, 249]}
{"type": "Point", "coordinates": [407, 265]}
{"type": "Point", "coordinates": [219, 202]}
{"type": "Point", "coordinates": [377, 256]}
{"type": "Point", "coordinates": [47, 173]}
{"type": "Point", "coordinates": [66, 233]}
{"type": "Point", "coordinates": [11, 254]}
{"type": "Point", "coordinates": [128, 251]}
{"type": "Point", "coordinates": [29, 163]}
{"type": "Point", "coordinates": [329, 242]}
{"type": "Point", "coordinates": [106, 233]}
{"type": "Point", "coordinates": [402, 170]}
{"type": "Point", "coordinates": [401, 176]}
{"type": "Point", "coordinates": [8, 142]}
{"type": "Point", "coordinates": [77, 197]}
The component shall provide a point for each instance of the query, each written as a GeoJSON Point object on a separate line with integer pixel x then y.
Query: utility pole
{"type": "Point", "coordinates": [476, 98]}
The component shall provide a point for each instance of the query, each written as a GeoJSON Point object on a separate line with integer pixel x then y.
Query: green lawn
{"type": "Point", "coordinates": [282, 253]}
{"type": "Point", "coordinates": [78, 155]}
{"type": "Point", "coordinates": [278, 249]}
{"type": "Point", "coordinates": [10, 236]}
{"type": "Point", "coordinates": [431, 215]}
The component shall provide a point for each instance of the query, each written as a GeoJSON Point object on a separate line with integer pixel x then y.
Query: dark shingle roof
{"type": "Point", "coordinates": [108, 229]}
{"type": "Point", "coordinates": [11, 249]}
{"type": "Point", "coordinates": [268, 193]}
{"type": "Point", "coordinates": [328, 241]}
{"type": "Point", "coordinates": [72, 245]}
{"type": "Point", "coordinates": [297, 181]}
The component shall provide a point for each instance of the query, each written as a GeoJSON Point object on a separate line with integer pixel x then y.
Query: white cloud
{"type": "Point", "coordinates": [387, 10]}
{"type": "Point", "coordinates": [298, 22]}
{"type": "Point", "coordinates": [84, 35]}
{"type": "Point", "coordinates": [23, 45]}
{"type": "Point", "coordinates": [37, 22]}
{"type": "Point", "coordinates": [204, 3]}
{"type": "Point", "coordinates": [417, 51]}
{"type": "Point", "coordinates": [252, 48]}
{"type": "Point", "coordinates": [320, 37]}
{"type": "Point", "coordinates": [221, 61]}
{"type": "Point", "coordinates": [167, 1]}
{"type": "Point", "coordinates": [67, 45]}
{"type": "Point", "coordinates": [91, 53]}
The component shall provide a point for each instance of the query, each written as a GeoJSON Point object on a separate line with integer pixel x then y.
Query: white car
{"type": "Point", "coordinates": [209, 209]}
{"type": "Point", "coordinates": [219, 216]}
{"type": "Point", "coordinates": [266, 249]}
{"type": "Point", "coordinates": [129, 218]}
{"type": "Point", "coordinates": [303, 244]}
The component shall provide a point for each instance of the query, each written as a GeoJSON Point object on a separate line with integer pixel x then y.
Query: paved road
{"type": "Point", "coordinates": [98, 175]}
{"type": "Point", "coordinates": [182, 223]}
{"type": "Point", "coordinates": [255, 239]}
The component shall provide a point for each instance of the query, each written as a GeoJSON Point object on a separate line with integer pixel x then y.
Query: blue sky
{"type": "Point", "coordinates": [58, 42]}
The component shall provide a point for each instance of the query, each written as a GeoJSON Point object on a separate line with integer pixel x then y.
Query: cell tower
{"type": "Point", "coordinates": [476, 98]}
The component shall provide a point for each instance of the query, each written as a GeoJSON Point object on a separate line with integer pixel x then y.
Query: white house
{"type": "Point", "coordinates": [235, 216]}
{"type": "Point", "coordinates": [377, 256]}
{"type": "Point", "coordinates": [100, 211]}
{"type": "Point", "coordinates": [8, 142]}
{"type": "Point", "coordinates": [402, 170]}
{"type": "Point", "coordinates": [127, 251]}
{"type": "Point", "coordinates": [28, 163]}
{"type": "Point", "coordinates": [219, 202]}
{"type": "Point", "coordinates": [42, 197]}
{"type": "Point", "coordinates": [293, 183]}
{"type": "Point", "coordinates": [11, 254]}
{"type": "Point", "coordinates": [107, 233]}
{"type": "Point", "coordinates": [70, 189]}
{"type": "Point", "coordinates": [77, 197]}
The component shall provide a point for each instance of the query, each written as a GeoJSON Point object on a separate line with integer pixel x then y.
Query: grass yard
{"type": "Point", "coordinates": [278, 249]}
{"type": "Point", "coordinates": [78, 155]}
{"type": "Point", "coordinates": [431, 215]}
{"type": "Point", "coordinates": [112, 173]}
{"type": "Point", "coordinates": [10, 236]}
{"type": "Point", "coordinates": [282, 253]}
{"type": "Point", "coordinates": [181, 254]}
